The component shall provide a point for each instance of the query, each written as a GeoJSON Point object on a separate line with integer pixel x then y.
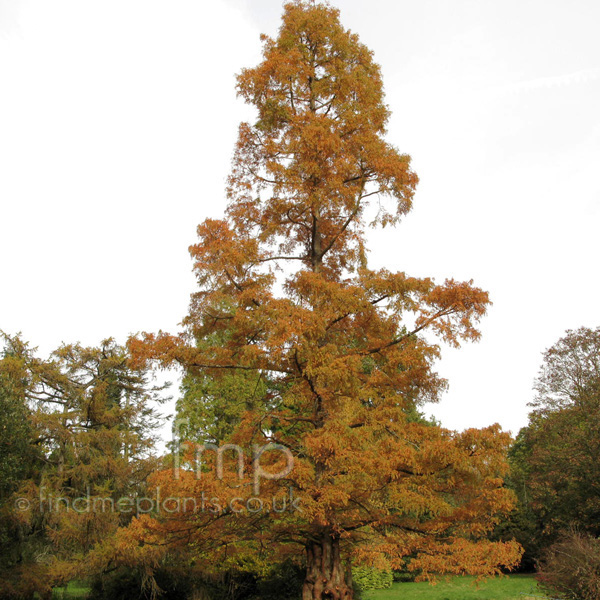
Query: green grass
{"type": "Point", "coordinates": [514, 587]}
{"type": "Point", "coordinates": [75, 590]}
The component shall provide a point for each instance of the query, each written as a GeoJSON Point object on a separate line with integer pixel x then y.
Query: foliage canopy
{"type": "Point", "coordinates": [286, 294]}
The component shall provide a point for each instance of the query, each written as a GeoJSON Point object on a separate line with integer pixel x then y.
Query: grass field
{"type": "Point", "coordinates": [514, 587]}
{"type": "Point", "coordinates": [74, 591]}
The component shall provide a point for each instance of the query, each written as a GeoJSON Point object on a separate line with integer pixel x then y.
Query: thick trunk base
{"type": "Point", "coordinates": [326, 578]}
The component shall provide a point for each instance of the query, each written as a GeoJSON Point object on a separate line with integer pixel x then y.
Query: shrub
{"type": "Point", "coordinates": [368, 578]}
{"type": "Point", "coordinates": [128, 584]}
{"type": "Point", "coordinates": [283, 582]}
{"type": "Point", "coordinates": [404, 576]}
{"type": "Point", "coordinates": [571, 567]}
{"type": "Point", "coordinates": [119, 584]}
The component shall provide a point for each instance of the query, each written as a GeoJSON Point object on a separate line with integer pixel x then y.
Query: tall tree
{"type": "Point", "coordinates": [19, 459]}
{"type": "Point", "coordinates": [16, 433]}
{"type": "Point", "coordinates": [209, 409]}
{"type": "Point", "coordinates": [555, 461]}
{"type": "Point", "coordinates": [89, 417]}
{"type": "Point", "coordinates": [286, 294]}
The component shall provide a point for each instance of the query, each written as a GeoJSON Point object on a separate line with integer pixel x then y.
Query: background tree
{"type": "Point", "coordinates": [15, 430]}
{"type": "Point", "coordinates": [87, 436]}
{"type": "Point", "coordinates": [19, 462]}
{"type": "Point", "coordinates": [209, 409]}
{"type": "Point", "coordinates": [555, 461]}
{"type": "Point", "coordinates": [286, 294]}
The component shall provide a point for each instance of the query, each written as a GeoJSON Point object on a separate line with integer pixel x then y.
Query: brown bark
{"type": "Point", "coordinates": [326, 578]}
{"type": "Point", "coordinates": [316, 249]}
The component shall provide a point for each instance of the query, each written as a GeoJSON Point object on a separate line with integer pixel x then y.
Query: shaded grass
{"type": "Point", "coordinates": [513, 587]}
{"type": "Point", "coordinates": [75, 590]}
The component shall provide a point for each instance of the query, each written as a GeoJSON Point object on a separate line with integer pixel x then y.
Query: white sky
{"type": "Point", "coordinates": [117, 125]}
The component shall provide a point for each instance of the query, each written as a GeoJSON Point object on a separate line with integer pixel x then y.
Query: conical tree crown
{"type": "Point", "coordinates": [336, 349]}
{"type": "Point", "coordinates": [304, 174]}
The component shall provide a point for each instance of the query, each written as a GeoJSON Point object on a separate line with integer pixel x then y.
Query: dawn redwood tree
{"type": "Point", "coordinates": [286, 294]}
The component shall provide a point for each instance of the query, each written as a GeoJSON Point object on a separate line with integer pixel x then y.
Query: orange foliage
{"type": "Point", "coordinates": [285, 288]}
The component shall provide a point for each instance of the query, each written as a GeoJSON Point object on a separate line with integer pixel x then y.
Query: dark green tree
{"type": "Point", "coordinates": [555, 460]}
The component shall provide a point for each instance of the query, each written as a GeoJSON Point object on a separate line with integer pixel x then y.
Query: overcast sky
{"type": "Point", "coordinates": [117, 125]}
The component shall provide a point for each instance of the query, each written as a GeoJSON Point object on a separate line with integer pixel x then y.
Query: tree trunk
{"type": "Point", "coordinates": [326, 578]}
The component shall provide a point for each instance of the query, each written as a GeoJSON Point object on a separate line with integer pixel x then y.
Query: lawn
{"type": "Point", "coordinates": [74, 591]}
{"type": "Point", "coordinates": [514, 587]}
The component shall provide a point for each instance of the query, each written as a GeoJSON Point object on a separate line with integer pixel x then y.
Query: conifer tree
{"type": "Point", "coordinates": [286, 293]}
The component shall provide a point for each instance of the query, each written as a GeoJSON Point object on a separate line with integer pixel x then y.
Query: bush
{"type": "Point", "coordinates": [128, 584]}
{"type": "Point", "coordinates": [571, 567]}
{"type": "Point", "coordinates": [404, 576]}
{"type": "Point", "coordinates": [283, 582]}
{"type": "Point", "coordinates": [121, 584]}
{"type": "Point", "coordinates": [368, 578]}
